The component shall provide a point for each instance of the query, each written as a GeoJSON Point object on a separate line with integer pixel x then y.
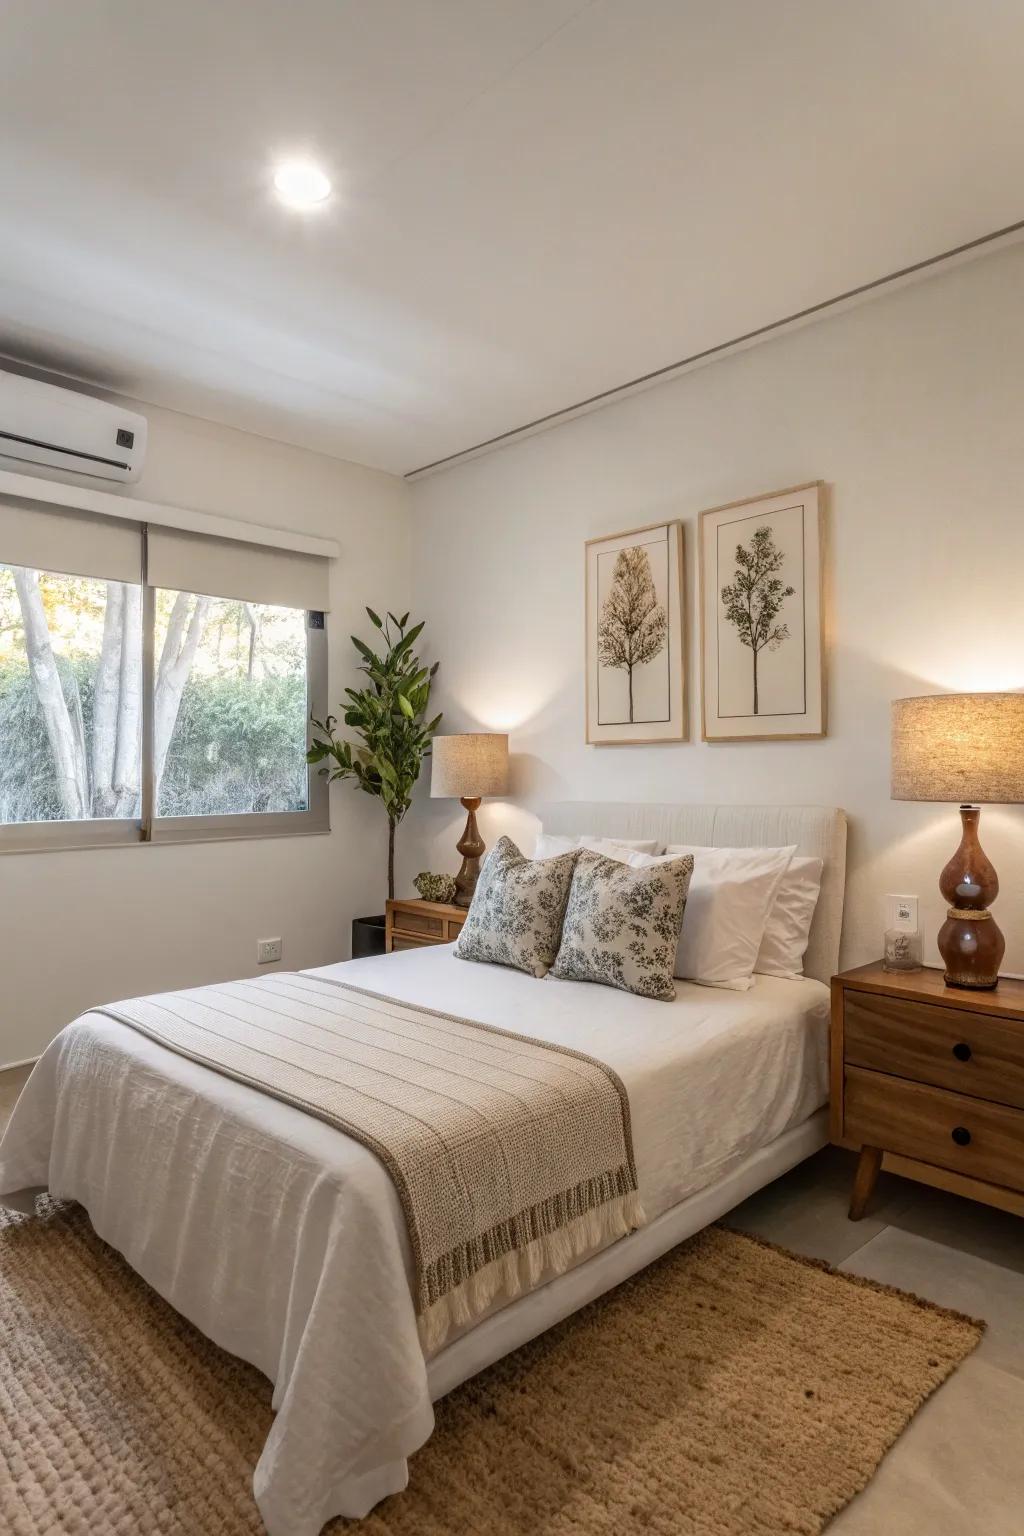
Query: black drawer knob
{"type": "Point", "coordinates": [962, 1052]}
{"type": "Point", "coordinates": [962, 1136]}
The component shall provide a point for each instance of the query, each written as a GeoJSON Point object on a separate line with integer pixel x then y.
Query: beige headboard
{"type": "Point", "coordinates": [817, 830]}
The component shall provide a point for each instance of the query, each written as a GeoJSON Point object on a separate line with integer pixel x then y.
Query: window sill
{"type": "Point", "coordinates": [229, 829]}
{"type": "Point", "coordinates": [65, 837]}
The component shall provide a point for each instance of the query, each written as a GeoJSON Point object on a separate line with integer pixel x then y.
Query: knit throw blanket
{"type": "Point", "coordinates": [510, 1157]}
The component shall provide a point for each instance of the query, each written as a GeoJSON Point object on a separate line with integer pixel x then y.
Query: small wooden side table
{"type": "Point", "coordinates": [413, 923]}
{"type": "Point", "coordinates": [928, 1082]}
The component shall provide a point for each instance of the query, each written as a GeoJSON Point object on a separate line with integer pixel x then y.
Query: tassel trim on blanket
{"type": "Point", "coordinates": [519, 1269]}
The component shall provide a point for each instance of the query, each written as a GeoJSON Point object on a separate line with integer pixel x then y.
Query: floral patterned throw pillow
{"type": "Point", "coordinates": [622, 925]}
{"type": "Point", "coordinates": [516, 915]}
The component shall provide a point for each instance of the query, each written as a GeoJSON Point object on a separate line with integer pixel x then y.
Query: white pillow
{"type": "Point", "coordinates": [731, 894]}
{"type": "Point", "coordinates": [550, 845]}
{"type": "Point", "coordinates": [789, 923]}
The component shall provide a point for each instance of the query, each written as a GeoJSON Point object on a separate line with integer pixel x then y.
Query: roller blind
{"type": "Point", "coordinates": [73, 543]}
{"type": "Point", "coordinates": [254, 573]}
{"type": "Point", "coordinates": [52, 538]}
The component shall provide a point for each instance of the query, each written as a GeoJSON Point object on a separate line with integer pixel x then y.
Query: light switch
{"type": "Point", "coordinates": [901, 912]}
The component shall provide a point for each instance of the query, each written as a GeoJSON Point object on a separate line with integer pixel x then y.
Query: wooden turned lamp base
{"type": "Point", "coordinates": [970, 942]}
{"type": "Point", "coordinates": [471, 845]}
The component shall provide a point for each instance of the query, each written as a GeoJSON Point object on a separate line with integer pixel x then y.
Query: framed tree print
{"type": "Point", "coordinates": [762, 666]}
{"type": "Point", "coordinates": [636, 683]}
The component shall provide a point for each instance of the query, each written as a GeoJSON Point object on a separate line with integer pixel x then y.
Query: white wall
{"type": "Point", "coordinates": [912, 409]}
{"type": "Point", "coordinates": [83, 927]}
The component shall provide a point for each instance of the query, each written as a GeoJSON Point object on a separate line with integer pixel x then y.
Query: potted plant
{"type": "Point", "coordinates": [393, 736]}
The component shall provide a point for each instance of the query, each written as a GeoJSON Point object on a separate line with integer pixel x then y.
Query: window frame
{"type": "Point", "coordinates": [149, 829]}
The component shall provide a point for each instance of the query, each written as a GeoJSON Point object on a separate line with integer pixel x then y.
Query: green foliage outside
{"type": "Point", "coordinates": [237, 745]}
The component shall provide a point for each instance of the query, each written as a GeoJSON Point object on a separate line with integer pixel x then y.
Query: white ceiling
{"type": "Point", "coordinates": [536, 199]}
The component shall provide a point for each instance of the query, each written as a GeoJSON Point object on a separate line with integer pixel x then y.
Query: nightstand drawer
{"type": "Point", "coordinates": [425, 923]}
{"type": "Point", "coordinates": [982, 1141]}
{"type": "Point", "coordinates": [413, 923]}
{"type": "Point", "coordinates": [953, 1048]}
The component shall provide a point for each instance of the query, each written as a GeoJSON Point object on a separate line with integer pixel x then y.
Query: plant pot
{"type": "Point", "coordinates": [368, 936]}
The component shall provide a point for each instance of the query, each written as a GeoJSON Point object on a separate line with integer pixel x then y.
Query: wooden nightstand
{"type": "Point", "coordinates": [411, 924]}
{"type": "Point", "coordinates": [928, 1081]}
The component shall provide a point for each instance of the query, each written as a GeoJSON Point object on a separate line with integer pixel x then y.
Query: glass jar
{"type": "Point", "coordinates": [902, 951]}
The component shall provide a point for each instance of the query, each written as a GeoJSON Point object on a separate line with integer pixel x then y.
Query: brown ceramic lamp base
{"type": "Point", "coordinates": [471, 845]}
{"type": "Point", "coordinates": [970, 942]}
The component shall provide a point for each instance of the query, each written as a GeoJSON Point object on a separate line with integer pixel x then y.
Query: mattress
{"type": "Point", "coordinates": [283, 1240]}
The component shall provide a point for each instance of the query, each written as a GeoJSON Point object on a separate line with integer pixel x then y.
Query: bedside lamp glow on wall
{"type": "Point", "coordinates": [467, 768]}
{"type": "Point", "coordinates": [964, 748]}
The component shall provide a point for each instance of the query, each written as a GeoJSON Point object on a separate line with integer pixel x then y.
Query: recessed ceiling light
{"type": "Point", "coordinates": [301, 184]}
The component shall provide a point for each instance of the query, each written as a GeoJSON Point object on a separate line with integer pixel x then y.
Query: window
{"type": "Point", "coordinates": [153, 710]}
{"type": "Point", "coordinates": [229, 707]}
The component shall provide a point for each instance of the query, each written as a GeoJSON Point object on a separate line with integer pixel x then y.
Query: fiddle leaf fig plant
{"type": "Point", "coordinates": [388, 718]}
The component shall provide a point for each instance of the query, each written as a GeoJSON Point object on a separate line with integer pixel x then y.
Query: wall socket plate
{"type": "Point", "coordinates": [901, 912]}
{"type": "Point", "coordinates": [268, 950]}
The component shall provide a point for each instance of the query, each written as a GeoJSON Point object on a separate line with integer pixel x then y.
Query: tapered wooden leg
{"type": "Point", "coordinates": [864, 1180]}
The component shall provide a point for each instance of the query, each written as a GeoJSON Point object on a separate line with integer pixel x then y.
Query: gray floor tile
{"type": "Point", "coordinates": [806, 1210]}
{"type": "Point", "coordinates": [965, 1225]}
{"type": "Point", "coordinates": [954, 1278]}
{"type": "Point", "coordinates": [956, 1470]}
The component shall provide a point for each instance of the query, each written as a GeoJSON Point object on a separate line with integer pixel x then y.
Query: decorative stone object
{"type": "Point", "coordinates": [435, 887]}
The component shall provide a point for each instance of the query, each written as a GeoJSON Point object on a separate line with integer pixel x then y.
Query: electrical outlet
{"type": "Point", "coordinates": [901, 912]}
{"type": "Point", "coordinates": [267, 950]}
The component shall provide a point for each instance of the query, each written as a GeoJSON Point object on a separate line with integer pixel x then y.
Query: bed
{"type": "Point", "coordinates": [283, 1239]}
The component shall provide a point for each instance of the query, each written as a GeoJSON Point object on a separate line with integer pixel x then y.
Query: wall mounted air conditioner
{"type": "Point", "coordinates": [41, 424]}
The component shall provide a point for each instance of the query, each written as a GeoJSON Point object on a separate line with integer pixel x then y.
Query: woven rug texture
{"type": "Point", "coordinates": [730, 1389]}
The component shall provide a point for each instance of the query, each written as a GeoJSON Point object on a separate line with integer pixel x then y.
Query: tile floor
{"type": "Point", "coordinates": [958, 1470]}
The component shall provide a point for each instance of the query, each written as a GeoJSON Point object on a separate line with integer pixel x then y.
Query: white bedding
{"type": "Point", "coordinates": [283, 1240]}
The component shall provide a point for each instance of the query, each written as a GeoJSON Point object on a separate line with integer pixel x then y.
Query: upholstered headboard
{"type": "Point", "coordinates": [817, 830]}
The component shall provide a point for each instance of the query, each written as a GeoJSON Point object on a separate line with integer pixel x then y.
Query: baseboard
{"type": "Point", "coordinates": [12, 1066]}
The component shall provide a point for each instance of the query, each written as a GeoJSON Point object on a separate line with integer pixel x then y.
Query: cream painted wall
{"type": "Point", "coordinates": [911, 408]}
{"type": "Point", "coordinates": [84, 927]}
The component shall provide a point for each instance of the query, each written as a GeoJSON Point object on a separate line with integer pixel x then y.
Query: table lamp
{"type": "Point", "coordinates": [467, 768]}
{"type": "Point", "coordinates": [963, 747]}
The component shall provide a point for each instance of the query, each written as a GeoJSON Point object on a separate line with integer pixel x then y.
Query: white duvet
{"type": "Point", "coordinates": [283, 1240]}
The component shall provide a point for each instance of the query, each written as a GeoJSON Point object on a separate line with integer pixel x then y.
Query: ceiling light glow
{"type": "Point", "coordinates": [301, 184]}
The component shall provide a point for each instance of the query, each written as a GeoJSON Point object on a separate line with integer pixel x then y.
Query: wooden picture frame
{"type": "Point", "coordinates": [773, 690]}
{"type": "Point", "coordinates": [647, 703]}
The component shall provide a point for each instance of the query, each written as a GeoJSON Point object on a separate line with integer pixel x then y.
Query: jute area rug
{"type": "Point", "coordinates": [731, 1388]}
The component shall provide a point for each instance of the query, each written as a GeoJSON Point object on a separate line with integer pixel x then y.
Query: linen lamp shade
{"type": "Point", "coordinates": [473, 765]}
{"type": "Point", "coordinates": [967, 748]}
